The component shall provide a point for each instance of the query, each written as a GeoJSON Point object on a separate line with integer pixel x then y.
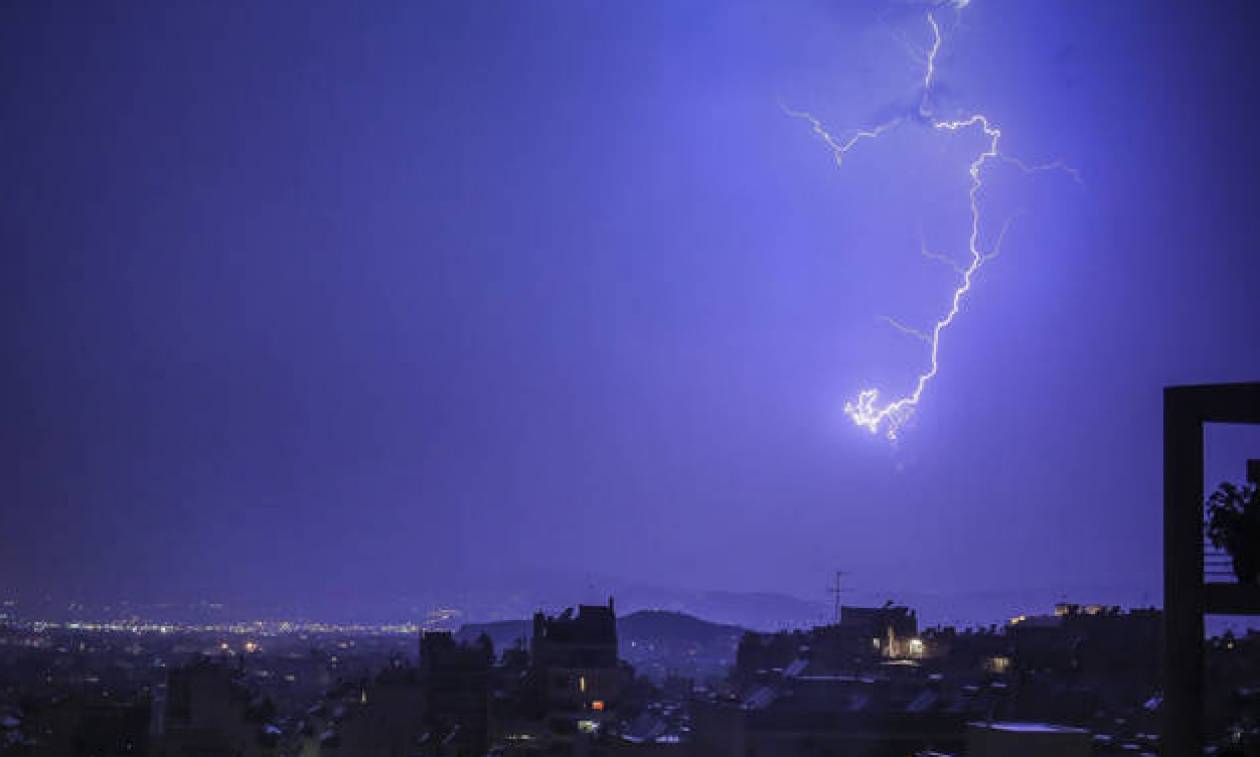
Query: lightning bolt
{"type": "Point", "coordinates": [866, 410]}
{"type": "Point", "coordinates": [931, 65]}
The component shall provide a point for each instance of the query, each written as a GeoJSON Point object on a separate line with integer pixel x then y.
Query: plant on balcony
{"type": "Point", "coordinates": [1233, 524]}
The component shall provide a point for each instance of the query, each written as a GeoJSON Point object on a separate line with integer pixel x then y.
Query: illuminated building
{"type": "Point", "coordinates": [892, 629]}
{"type": "Point", "coordinates": [575, 664]}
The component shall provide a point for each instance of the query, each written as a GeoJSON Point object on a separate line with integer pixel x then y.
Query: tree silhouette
{"type": "Point", "coordinates": [1234, 526]}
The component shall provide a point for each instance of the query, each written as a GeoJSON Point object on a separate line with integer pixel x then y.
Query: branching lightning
{"type": "Point", "coordinates": [866, 410]}
{"type": "Point", "coordinates": [907, 330]}
{"type": "Point", "coordinates": [931, 62]}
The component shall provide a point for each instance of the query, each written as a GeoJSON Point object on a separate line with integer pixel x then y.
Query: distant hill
{"type": "Point", "coordinates": [644, 625]}
{"type": "Point", "coordinates": [657, 642]}
{"type": "Point", "coordinates": [661, 643]}
{"type": "Point", "coordinates": [665, 625]}
{"type": "Point", "coordinates": [761, 611]}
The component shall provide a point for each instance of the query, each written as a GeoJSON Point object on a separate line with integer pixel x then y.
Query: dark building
{"type": "Point", "coordinates": [81, 725]}
{"type": "Point", "coordinates": [1084, 659]}
{"type": "Point", "coordinates": [810, 715]}
{"type": "Point", "coordinates": [863, 686]}
{"type": "Point", "coordinates": [969, 652]}
{"type": "Point", "coordinates": [576, 669]}
{"type": "Point", "coordinates": [455, 691]}
{"type": "Point", "coordinates": [892, 629]}
{"type": "Point", "coordinates": [211, 712]}
{"type": "Point", "coordinates": [381, 718]}
{"type": "Point", "coordinates": [863, 638]}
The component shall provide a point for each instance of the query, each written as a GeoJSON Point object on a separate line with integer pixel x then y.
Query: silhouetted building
{"type": "Point", "coordinates": [455, 691]}
{"type": "Point", "coordinates": [211, 712]}
{"type": "Point", "coordinates": [857, 716]}
{"type": "Point", "coordinates": [970, 652]}
{"type": "Point", "coordinates": [892, 629]}
{"type": "Point", "coordinates": [575, 665]}
{"type": "Point", "coordinates": [863, 638]}
{"type": "Point", "coordinates": [81, 725]}
{"type": "Point", "coordinates": [383, 718]}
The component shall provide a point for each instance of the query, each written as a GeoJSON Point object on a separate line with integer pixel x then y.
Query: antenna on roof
{"type": "Point", "coordinates": [835, 591]}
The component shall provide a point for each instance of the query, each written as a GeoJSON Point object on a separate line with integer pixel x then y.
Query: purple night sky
{"type": "Point", "coordinates": [317, 300]}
